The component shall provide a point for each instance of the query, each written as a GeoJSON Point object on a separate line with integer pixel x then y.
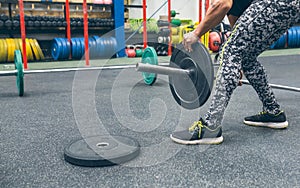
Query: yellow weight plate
{"type": "Point", "coordinates": [34, 49]}
{"type": "Point", "coordinates": [17, 45]}
{"type": "Point", "coordinates": [1, 51]}
{"type": "Point", "coordinates": [39, 49]}
{"type": "Point", "coordinates": [29, 51]}
{"type": "Point", "coordinates": [21, 45]}
{"type": "Point", "coordinates": [10, 49]}
{"type": "Point", "coordinates": [4, 50]}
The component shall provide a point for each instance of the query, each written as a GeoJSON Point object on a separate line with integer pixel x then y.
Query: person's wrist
{"type": "Point", "coordinates": [196, 33]}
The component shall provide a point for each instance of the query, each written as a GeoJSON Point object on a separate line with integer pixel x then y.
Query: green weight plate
{"type": "Point", "coordinates": [20, 72]}
{"type": "Point", "coordinates": [139, 52]}
{"type": "Point", "coordinates": [149, 57]}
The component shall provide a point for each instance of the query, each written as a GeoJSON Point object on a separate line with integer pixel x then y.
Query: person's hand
{"type": "Point", "coordinates": [189, 39]}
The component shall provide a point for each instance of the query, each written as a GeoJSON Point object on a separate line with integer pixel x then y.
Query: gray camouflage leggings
{"type": "Point", "coordinates": [260, 25]}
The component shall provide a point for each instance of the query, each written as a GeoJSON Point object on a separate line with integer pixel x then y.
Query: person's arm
{"type": "Point", "coordinates": [214, 15]}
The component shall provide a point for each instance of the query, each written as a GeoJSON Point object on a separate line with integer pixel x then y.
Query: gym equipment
{"type": "Point", "coordinates": [100, 47]}
{"type": "Point", "coordinates": [175, 39]}
{"type": "Point", "coordinates": [214, 41]}
{"type": "Point", "coordinates": [293, 37]}
{"type": "Point", "coordinates": [19, 71]}
{"type": "Point", "coordinates": [8, 23]}
{"type": "Point", "coordinates": [149, 57]}
{"type": "Point", "coordinates": [191, 75]}
{"type": "Point", "coordinates": [173, 13]}
{"type": "Point", "coordinates": [99, 151]}
{"type": "Point", "coordinates": [176, 22]}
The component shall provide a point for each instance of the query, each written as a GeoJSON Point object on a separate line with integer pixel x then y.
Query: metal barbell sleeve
{"type": "Point", "coordinates": [143, 67]}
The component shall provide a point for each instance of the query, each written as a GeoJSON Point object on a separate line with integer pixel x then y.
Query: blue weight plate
{"type": "Point", "coordinates": [82, 46]}
{"type": "Point", "coordinates": [281, 42]}
{"type": "Point", "coordinates": [92, 47]}
{"type": "Point", "coordinates": [111, 46]}
{"type": "Point", "coordinates": [77, 51]}
{"type": "Point", "coordinates": [68, 48]}
{"type": "Point", "coordinates": [101, 47]}
{"type": "Point", "coordinates": [291, 39]}
{"type": "Point", "coordinates": [297, 36]}
{"type": "Point", "coordinates": [56, 48]}
{"type": "Point", "coordinates": [97, 49]}
{"type": "Point", "coordinates": [74, 46]}
{"type": "Point", "coordinates": [62, 49]}
{"type": "Point", "coordinates": [115, 44]}
{"type": "Point", "coordinates": [294, 37]}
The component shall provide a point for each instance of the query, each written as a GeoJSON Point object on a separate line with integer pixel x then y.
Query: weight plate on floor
{"type": "Point", "coordinates": [194, 90]}
{"type": "Point", "coordinates": [100, 151]}
{"type": "Point", "coordinates": [20, 72]}
{"type": "Point", "coordinates": [149, 57]}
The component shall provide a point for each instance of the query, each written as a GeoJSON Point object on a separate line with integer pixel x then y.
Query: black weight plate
{"type": "Point", "coordinates": [194, 91]}
{"type": "Point", "coordinates": [8, 23]}
{"type": "Point", "coordinates": [37, 23]}
{"type": "Point", "coordinates": [100, 151]}
{"type": "Point", "coordinates": [16, 23]}
{"type": "Point", "coordinates": [43, 23]}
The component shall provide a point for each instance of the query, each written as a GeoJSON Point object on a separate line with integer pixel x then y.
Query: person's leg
{"type": "Point", "coordinates": [260, 25]}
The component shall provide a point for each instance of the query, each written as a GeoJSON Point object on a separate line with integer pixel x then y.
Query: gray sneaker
{"type": "Point", "coordinates": [198, 133]}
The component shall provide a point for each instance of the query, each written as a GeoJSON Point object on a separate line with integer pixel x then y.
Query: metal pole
{"type": "Point", "coordinates": [143, 67]}
{"type": "Point", "coordinates": [23, 32]}
{"type": "Point", "coordinates": [86, 33]}
{"type": "Point", "coordinates": [169, 20]}
{"type": "Point", "coordinates": [67, 13]}
{"type": "Point", "coordinates": [145, 24]}
{"type": "Point", "coordinates": [276, 86]}
{"type": "Point", "coordinates": [8, 73]}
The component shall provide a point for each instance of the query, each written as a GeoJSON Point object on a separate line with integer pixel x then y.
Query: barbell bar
{"type": "Point", "coordinates": [158, 69]}
{"type": "Point", "coordinates": [276, 86]}
{"type": "Point", "coordinates": [182, 71]}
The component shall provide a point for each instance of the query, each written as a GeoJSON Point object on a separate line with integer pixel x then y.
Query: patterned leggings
{"type": "Point", "coordinates": [260, 25]}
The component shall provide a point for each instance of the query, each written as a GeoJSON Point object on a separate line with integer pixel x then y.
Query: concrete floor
{"type": "Point", "coordinates": [59, 108]}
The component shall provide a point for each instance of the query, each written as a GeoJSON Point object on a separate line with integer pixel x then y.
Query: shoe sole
{"type": "Point", "coordinates": [272, 125]}
{"type": "Point", "coordinates": [217, 140]}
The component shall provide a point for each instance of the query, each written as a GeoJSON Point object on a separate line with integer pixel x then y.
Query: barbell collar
{"type": "Point", "coordinates": [166, 70]}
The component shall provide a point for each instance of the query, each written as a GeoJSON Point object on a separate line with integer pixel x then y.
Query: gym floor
{"type": "Point", "coordinates": [58, 108]}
